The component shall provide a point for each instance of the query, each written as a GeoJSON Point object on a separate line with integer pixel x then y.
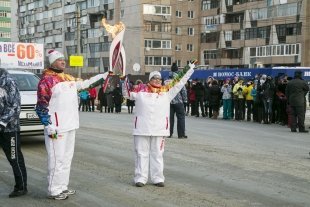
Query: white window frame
{"type": "Point", "coordinates": [190, 14]}
{"type": "Point", "coordinates": [190, 47]}
{"type": "Point", "coordinates": [191, 31]}
{"type": "Point", "coordinates": [178, 14]}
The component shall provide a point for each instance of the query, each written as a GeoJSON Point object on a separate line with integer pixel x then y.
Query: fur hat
{"type": "Point", "coordinates": [154, 73]}
{"type": "Point", "coordinates": [53, 55]}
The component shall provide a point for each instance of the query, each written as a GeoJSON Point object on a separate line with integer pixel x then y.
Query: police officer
{"type": "Point", "coordinates": [9, 131]}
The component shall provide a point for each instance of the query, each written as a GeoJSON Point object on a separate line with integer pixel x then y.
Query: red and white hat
{"type": "Point", "coordinates": [53, 55]}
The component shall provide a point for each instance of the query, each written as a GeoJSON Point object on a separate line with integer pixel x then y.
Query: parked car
{"type": "Point", "coordinates": [29, 121]}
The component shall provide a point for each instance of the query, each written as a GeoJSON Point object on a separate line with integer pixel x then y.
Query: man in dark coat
{"type": "Point", "coordinates": [199, 92]}
{"type": "Point", "coordinates": [102, 97]}
{"type": "Point", "coordinates": [296, 91]}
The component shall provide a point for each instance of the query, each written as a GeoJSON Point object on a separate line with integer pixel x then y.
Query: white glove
{"type": "Point", "coordinates": [51, 131]}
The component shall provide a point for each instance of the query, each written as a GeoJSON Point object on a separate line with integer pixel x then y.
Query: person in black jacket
{"type": "Point", "coordinates": [268, 92]}
{"type": "Point", "coordinates": [9, 131]}
{"type": "Point", "coordinates": [102, 97]}
{"type": "Point", "coordinates": [117, 98]}
{"type": "Point", "coordinates": [199, 91]}
{"type": "Point", "coordinates": [215, 98]}
{"type": "Point", "coordinates": [296, 91]}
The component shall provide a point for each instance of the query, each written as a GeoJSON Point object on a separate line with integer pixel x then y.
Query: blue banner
{"type": "Point", "coordinates": [247, 74]}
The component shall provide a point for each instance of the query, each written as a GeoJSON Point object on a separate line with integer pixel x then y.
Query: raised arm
{"type": "Point", "coordinates": [92, 82]}
{"type": "Point", "coordinates": [178, 82]}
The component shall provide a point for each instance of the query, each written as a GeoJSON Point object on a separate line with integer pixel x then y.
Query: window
{"type": "Point", "coordinates": [275, 50]}
{"type": "Point", "coordinates": [157, 60]}
{"type": "Point", "coordinates": [178, 47]}
{"type": "Point", "coordinates": [190, 31]}
{"type": "Point", "coordinates": [190, 14]}
{"type": "Point", "coordinates": [5, 14]}
{"type": "Point", "coordinates": [93, 62]}
{"type": "Point", "coordinates": [157, 26]}
{"type": "Point", "coordinates": [178, 62]}
{"type": "Point", "coordinates": [210, 4]}
{"type": "Point", "coordinates": [94, 47]}
{"type": "Point", "coordinates": [209, 54]}
{"type": "Point", "coordinates": [69, 36]}
{"type": "Point", "coordinates": [157, 44]}
{"type": "Point", "coordinates": [263, 32]}
{"type": "Point", "coordinates": [178, 14]}
{"type": "Point", "coordinates": [236, 35]}
{"type": "Point", "coordinates": [71, 50]}
{"type": "Point", "coordinates": [92, 3]}
{"type": "Point", "coordinates": [156, 9]}
{"type": "Point", "coordinates": [229, 2]}
{"type": "Point", "coordinates": [228, 35]}
{"type": "Point", "coordinates": [189, 47]}
{"type": "Point", "coordinates": [178, 30]}
{"type": "Point", "coordinates": [253, 51]}
{"type": "Point", "coordinates": [212, 37]}
{"type": "Point", "coordinates": [250, 33]}
{"type": "Point", "coordinates": [105, 62]}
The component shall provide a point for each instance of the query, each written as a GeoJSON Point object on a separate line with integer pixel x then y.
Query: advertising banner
{"type": "Point", "coordinates": [76, 61]}
{"type": "Point", "coordinates": [247, 74]}
{"type": "Point", "coordinates": [17, 55]}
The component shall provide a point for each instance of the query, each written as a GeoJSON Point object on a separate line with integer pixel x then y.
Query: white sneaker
{"type": "Point", "coordinates": [69, 192]}
{"type": "Point", "coordinates": [60, 196]}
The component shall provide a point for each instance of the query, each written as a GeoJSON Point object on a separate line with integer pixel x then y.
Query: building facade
{"type": "Point", "coordinates": [256, 33]}
{"type": "Point", "coordinates": [5, 21]}
{"type": "Point", "coordinates": [219, 33]}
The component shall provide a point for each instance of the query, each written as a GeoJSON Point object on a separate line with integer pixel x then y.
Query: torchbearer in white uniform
{"type": "Point", "coordinates": [151, 123]}
{"type": "Point", "coordinates": [57, 108]}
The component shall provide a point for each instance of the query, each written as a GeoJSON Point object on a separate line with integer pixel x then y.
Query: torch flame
{"type": "Point", "coordinates": [113, 30]}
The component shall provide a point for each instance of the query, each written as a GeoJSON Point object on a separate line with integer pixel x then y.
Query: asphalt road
{"type": "Point", "coordinates": [221, 164]}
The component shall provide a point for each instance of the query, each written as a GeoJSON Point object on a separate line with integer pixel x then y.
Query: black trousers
{"type": "Point", "coordinates": [179, 110]}
{"type": "Point", "coordinates": [10, 143]}
{"type": "Point", "coordinates": [298, 117]}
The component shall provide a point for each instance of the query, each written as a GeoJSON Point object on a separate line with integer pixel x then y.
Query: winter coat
{"type": "Point", "coordinates": [92, 93]}
{"type": "Point", "coordinates": [153, 108]}
{"type": "Point", "coordinates": [296, 91]}
{"type": "Point", "coordinates": [117, 96]}
{"type": "Point", "coordinates": [9, 102]}
{"type": "Point", "coordinates": [226, 91]}
{"type": "Point", "coordinates": [215, 95]}
{"type": "Point", "coordinates": [102, 97]}
{"type": "Point", "coordinates": [58, 100]}
{"type": "Point", "coordinates": [84, 95]}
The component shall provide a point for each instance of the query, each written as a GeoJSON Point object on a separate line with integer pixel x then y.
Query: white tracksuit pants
{"type": "Point", "coordinates": [60, 153]}
{"type": "Point", "coordinates": [149, 157]}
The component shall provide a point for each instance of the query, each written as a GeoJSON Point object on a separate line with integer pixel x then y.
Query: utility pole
{"type": "Point", "coordinates": [78, 36]}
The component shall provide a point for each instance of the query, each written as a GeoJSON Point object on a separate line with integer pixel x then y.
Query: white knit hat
{"type": "Point", "coordinates": [53, 55]}
{"type": "Point", "coordinates": [154, 73]}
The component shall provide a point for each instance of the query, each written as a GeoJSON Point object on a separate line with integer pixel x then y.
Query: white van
{"type": "Point", "coordinates": [27, 82]}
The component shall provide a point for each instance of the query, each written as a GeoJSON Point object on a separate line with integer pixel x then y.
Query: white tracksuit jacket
{"type": "Point", "coordinates": [63, 105]}
{"type": "Point", "coordinates": [152, 110]}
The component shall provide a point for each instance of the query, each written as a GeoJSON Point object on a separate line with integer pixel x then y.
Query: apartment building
{"type": "Point", "coordinates": [72, 27]}
{"type": "Point", "coordinates": [254, 33]}
{"type": "Point", "coordinates": [220, 33]}
{"type": "Point", "coordinates": [5, 21]}
{"type": "Point", "coordinates": [151, 29]}
{"type": "Point", "coordinates": [161, 32]}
